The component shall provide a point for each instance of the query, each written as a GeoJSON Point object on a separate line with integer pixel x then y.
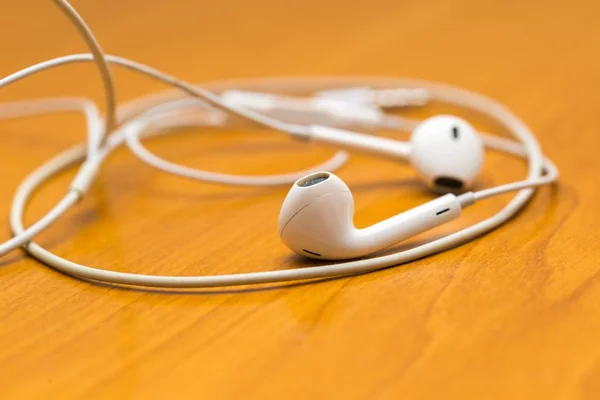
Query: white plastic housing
{"type": "Point", "coordinates": [447, 152]}
{"type": "Point", "coordinates": [316, 220]}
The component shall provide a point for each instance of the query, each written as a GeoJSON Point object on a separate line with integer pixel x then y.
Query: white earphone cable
{"type": "Point", "coordinates": [100, 61]}
{"type": "Point", "coordinates": [294, 130]}
{"type": "Point", "coordinates": [440, 92]}
{"type": "Point", "coordinates": [531, 150]}
{"type": "Point", "coordinates": [26, 108]}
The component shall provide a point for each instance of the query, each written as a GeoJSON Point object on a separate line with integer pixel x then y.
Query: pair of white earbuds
{"type": "Point", "coordinates": [316, 219]}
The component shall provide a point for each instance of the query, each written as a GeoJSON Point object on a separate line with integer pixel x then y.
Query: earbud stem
{"type": "Point", "coordinates": [408, 223]}
{"type": "Point", "coordinates": [357, 141]}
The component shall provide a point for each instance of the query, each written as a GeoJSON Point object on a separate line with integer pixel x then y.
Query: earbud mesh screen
{"type": "Point", "coordinates": [312, 181]}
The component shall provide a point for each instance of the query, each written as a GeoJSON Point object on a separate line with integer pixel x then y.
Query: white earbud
{"type": "Point", "coordinates": [316, 220]}
{"type": "Point", "coordinates": [445, 150]}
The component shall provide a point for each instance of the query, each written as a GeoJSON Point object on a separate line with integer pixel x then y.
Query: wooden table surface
{"type": "Point", "coordinates": [512, 315]}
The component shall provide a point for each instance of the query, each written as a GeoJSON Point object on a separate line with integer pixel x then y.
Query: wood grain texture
{"type": "Point", "coordinates": [513, 315]}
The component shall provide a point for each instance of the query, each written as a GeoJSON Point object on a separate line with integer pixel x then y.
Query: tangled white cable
{"type": "Point", "coordinates": [301, 119]}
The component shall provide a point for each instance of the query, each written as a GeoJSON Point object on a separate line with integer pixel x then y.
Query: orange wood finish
{"type": "Point", "coordinates": [513, 315]}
